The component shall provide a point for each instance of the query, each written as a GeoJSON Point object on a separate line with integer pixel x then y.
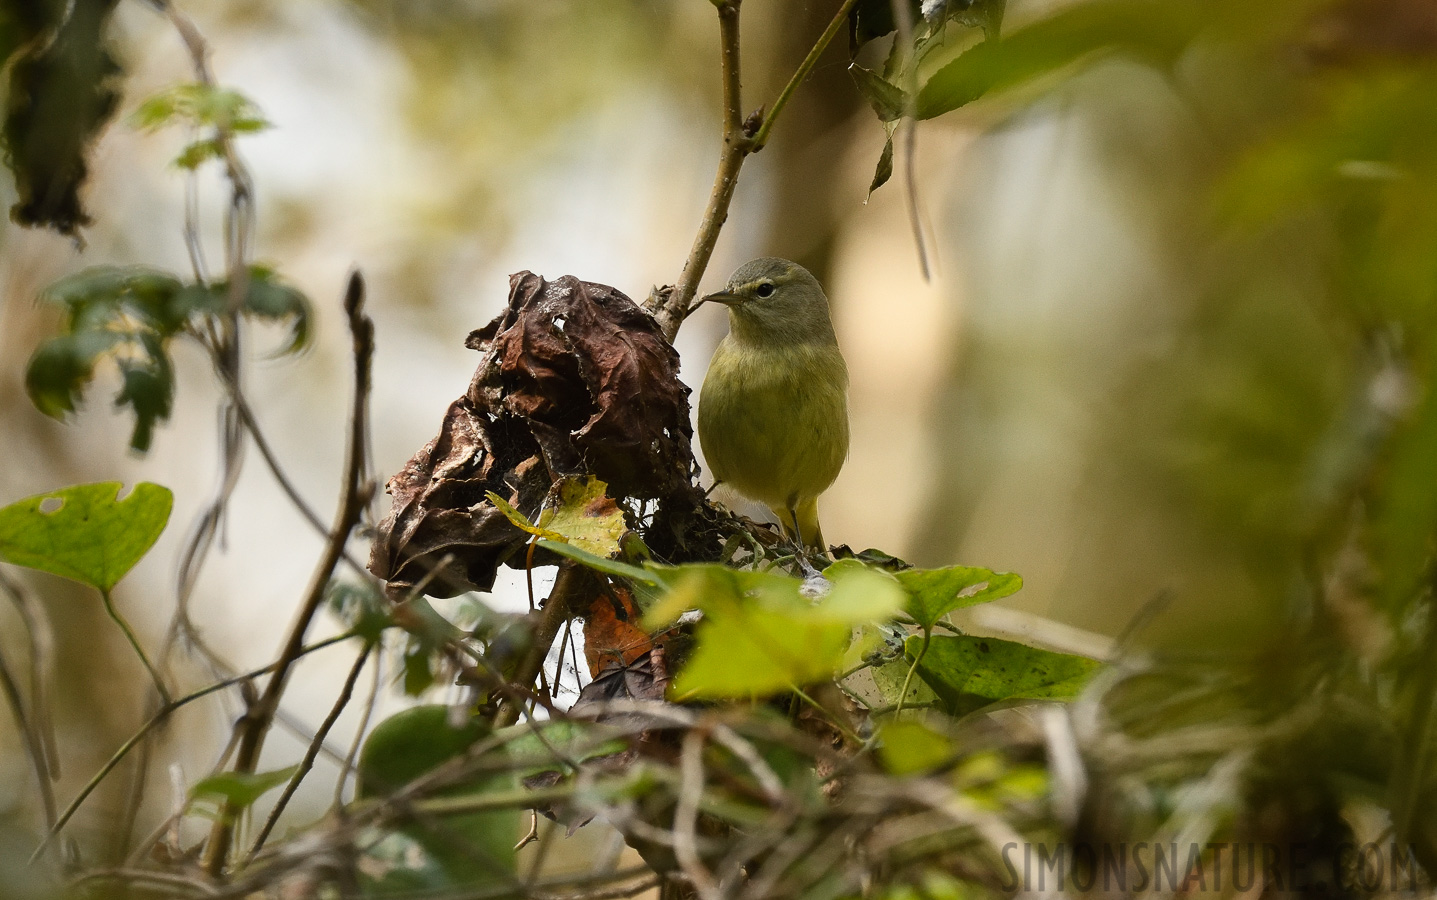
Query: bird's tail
{"type": "Point", "coordinates": [801, 522]}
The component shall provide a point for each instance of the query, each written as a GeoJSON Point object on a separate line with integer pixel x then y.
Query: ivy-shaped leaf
{"type": "Point", "coordinates": [933, 593]}
{"type": "Point", "coordinates": [968, 673]}
{"type": "Point", "coordinates": [760, 634]}
{"type": "Point", "coordinates": [578, 512]}
{"type": "Point", "coordinates": [84, 532]}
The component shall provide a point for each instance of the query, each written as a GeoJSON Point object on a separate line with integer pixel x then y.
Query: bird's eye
{"type": "Point", "coordinates": [764, 290]}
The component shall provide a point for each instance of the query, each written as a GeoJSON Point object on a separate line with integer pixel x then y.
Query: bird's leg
{"type": "Point", "coordinates": [803, 561]}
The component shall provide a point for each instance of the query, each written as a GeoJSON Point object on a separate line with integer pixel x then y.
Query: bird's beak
{"type": "Point", "coordinates": [724, 297]}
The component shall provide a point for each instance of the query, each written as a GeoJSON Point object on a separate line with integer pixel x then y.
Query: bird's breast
{"type": "Point", "coordinates": [773, 421]}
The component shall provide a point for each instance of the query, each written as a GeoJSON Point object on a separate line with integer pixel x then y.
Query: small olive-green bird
{"type": "Point", "coordinates": [773, 411]}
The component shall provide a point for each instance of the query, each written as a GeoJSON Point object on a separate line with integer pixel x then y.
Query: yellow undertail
{"type": "Point", "coordinates": [807, 530]}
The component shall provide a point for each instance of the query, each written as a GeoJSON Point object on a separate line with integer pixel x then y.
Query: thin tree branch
{"type": "Point", "coordinates": [741, 136]}
{"type": "Point", "coordinates": [761, 137]}
{"type": "Point", "coordinates": [42, 651]}
{"type": "Point", "coordinates": [346, 765]}
{"type": "Point", "coordinates": [686, 816]}
{"type": "Point", "coordinates": [305, 765]}
{"type": "Point", "coordinates": [257, 720]}
{"type": "Point", "coordinates": [903, 22]}
{"type": "Point", "coordinates": [163, 713]}
{"type": "Point", "coordinates": [736, 146]}
{"type": "Point", "coordinates": [556, 611]}
{"type": "Point", "coordinates": [33, 745]}
{"type": "Point", "coordinates": [266, 452]}
{"type": "Point", "coordinates": [135, 645]}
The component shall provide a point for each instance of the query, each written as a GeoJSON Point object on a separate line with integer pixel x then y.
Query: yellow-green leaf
{"type": "Point", "coordinates": [908, 747]}
{"type": "Point", "coordinates": [84, 532]}
{"type": "Point", "coordinates": [581, 512]}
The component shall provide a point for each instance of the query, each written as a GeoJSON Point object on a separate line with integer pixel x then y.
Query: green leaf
{"type": "Point", "coordinates": [578, 512]}
{"type": "Point", "coordinates": [418, 669]}
{"type": "Point", "coordinates": [760, 634]}
{"type": "Point", "coordinates": [148, 388]}
{"type": "Point", "coordinates": [884, 170]}
{"type": "Point", "coordinates": [240, 790]}
{"type": "Point", "coordinates": [62, 366]}
{"type": "Point", "coordinates": [888, 100]}
{"type": "Point", "coordinates": [197, 153]}
{"type": "Point", "coordinates": [518, 519]}
{"type": "Point", "coordinates": [459, 850]}
{"type": "Point", "coordinates": [890, 678]}
{"type": "Point", "coordinates": [968, 672]}
{"type": "Point", "coordinates": [361, 606]}
{"type": "Point", "coordinates": [908, 747]}
{"type": "Point", "coordinates": [859, 594]}
{"type": "Point", "coordinates": [199, 105]}
{"type": "Point", "coordinates": [128, 313]}
{"type": "Point", "coordinates": [271, 299]}
{"type": "Point", "coordinates": [544, 746]}
{"type": "Point", "coordinates": [1154, 32]}
{"type": "Point", "coordinates": [933, 593]}
{"type": "Point", "coordinates": [84, 532]}
{"type": "Point", "coordinates": [410, 743]}
{"type": "Point", "coordinates": [102, 296]}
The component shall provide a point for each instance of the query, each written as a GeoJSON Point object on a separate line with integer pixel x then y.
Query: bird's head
{"type": "Point", "coordinates": [772, 299]}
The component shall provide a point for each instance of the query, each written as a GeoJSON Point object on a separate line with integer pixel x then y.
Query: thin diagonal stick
{"type": "Point", "coordinates": [307, 763]}
{"type": "Point", "coordinates": [150, 724]}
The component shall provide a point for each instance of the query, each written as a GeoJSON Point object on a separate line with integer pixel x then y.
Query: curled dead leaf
{"type": "Point", "coordinates": [575, 379]}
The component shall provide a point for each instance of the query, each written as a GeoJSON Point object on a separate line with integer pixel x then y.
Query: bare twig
{"type": "Point", "coordinates": [346, 766]}
{"type": "Point", "coordinates": [312, 752]}
{"type": "Point", "coordinates": [33, 744]}
{"type": "Point", "coordinates": [568, 585]}
{"type": "Point", "coordinates": [741, 137]}
{"type": "Point", "coordinates": [835, 24]}
{"type": "Point", "coordinates": [686, 816]}
{"type": "Point", "coordinates": [903, 21]}
{"type": "Point", "coordinates": [736, 146]}
{"type": "Point", "coordinates": [256, 722]}
{"type": "Point", "coordinates": [165, 883]}
{"type": "Point", "coordinates": [160, 716]}
{"type": "Point", "coordinates": [42, 652]}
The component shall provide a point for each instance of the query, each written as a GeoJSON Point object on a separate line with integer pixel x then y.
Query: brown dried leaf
{"type": "Point", "coordinates": [612, 636]}
{"type": "Point", "coordinates": [575, 380]}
